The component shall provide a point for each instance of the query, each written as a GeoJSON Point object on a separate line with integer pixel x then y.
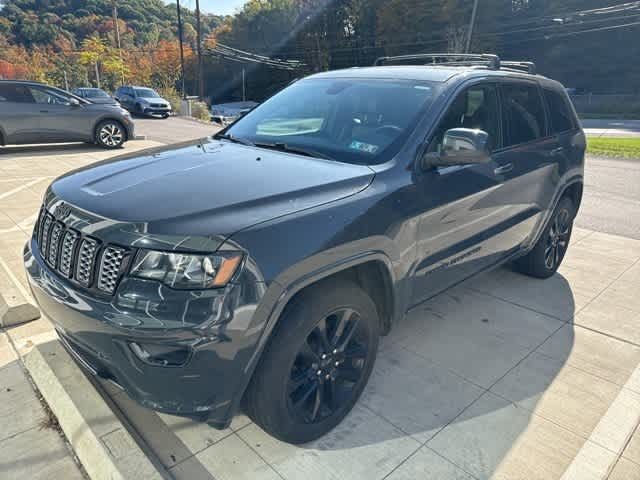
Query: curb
{"type": "Point", "coordinates": [16, 314]}
{"type": "Point", "coordinates": [101, 442]}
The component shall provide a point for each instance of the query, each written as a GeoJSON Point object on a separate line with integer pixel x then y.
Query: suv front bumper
{"type": "Point", "coordinates": [212, 361]}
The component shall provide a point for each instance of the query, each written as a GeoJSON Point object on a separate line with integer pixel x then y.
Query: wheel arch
{"type": "Point", "coordinates": [372, 271]}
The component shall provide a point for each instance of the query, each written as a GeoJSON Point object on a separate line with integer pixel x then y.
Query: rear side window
{"type": "Point", "coordinates": [15, 93]}
{"type": "Point", "coordinates": [559, 113]}
{"type": "Point", "coordinates": [523, 115]}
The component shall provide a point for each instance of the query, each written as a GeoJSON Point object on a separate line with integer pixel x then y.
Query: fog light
{"type": "Point", "coordinates": [161, 355]}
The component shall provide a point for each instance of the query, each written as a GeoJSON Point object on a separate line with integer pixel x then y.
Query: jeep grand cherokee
{"type": "Point", "coordinates": [264, 264]}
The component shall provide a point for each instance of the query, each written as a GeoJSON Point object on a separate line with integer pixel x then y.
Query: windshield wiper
{"type": "Point", "coordinates": [231, 138]}
{"type": "Point", "coordinates": [283, 147]}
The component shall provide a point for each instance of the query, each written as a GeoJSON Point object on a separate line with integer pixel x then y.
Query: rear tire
{"type": "Point", "coordinates": [547, 255]}
{"type": "Point", "coordinates": [317, 363]}
{"type": "Point", "coordinates": [110, 134]}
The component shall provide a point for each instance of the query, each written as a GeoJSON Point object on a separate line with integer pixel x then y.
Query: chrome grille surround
{"type": "Point", "coordinates": [78, 257]}
{"type": "Point", "coordinates": [110, 264]}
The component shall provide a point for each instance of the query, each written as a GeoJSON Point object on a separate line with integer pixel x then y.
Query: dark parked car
{"type": "Point", "coordinates": [264, 264]}
{"type": "Point", "coordinates": [143, 101]}
{"type": "Point", "coordinates": [31, 112]}
{"type": "Point", "coordinates": [227, 113]}
{"type": "Point", "coordinates": [95, 95]}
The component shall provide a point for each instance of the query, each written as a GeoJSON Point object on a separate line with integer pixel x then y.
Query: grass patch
{"type": "Point", "coordinates": [614, 147]}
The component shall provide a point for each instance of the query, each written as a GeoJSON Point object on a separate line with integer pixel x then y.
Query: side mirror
{"type": "Point", "coordinates": [461, 146]}
{"type": "Point", "coordinates": [74, 102]}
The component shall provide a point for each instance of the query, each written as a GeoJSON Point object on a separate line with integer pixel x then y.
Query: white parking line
{"type": "Point", "coordinates": [21, 187]}
{"type": "Point", "coordinates": [24, 226]}
{"type": "Point", "coordinates": [27, 296]}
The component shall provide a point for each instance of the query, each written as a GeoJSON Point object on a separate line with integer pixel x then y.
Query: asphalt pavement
{"type": "Point", "coordinates": [173, 129]}
{"type": "Point", "coordinates": [611, 128]}
{"type": "Point", "coordinates": [611, 201]}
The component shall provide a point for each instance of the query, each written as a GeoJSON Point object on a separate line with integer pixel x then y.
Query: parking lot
{"type": "Point", "coordinates": [504, 377]}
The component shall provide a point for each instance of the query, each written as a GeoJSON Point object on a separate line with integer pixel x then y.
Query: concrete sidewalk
{"type": "Point", "coordinates": [30, 443]}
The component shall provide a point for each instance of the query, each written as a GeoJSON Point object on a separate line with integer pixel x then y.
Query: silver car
{"type": "Point", "coordinates": [31, 112]}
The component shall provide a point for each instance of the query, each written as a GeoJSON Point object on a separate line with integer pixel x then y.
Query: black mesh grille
{"type": "Point", "coordinates": [76, 256]}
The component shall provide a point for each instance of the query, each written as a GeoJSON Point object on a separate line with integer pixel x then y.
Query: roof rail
{"type": "Point", "coordinates": [486, 60]}
{"type": "Point", "coordinates": [490, 61]}
{"type": "Point", "coordinates": [527, 67]}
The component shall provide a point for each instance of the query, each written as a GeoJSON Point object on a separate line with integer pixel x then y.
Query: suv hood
{"type": "Point", "coordinates": [207, 187]}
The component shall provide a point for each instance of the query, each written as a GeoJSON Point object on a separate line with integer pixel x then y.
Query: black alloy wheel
{"type": "Point", "coordinates": [317, 362]}
{"type": "Point", "coordinates": [328, 366]}
{"type": "Point", "coordinates": [557, 239]}
{"type": "Point", "coordinates": [545, 257]}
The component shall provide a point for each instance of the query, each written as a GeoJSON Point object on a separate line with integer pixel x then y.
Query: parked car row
{"type": "Point", "coordinates": [31, 112]}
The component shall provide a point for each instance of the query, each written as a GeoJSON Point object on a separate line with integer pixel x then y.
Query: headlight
{"type": "Point", "coordinates": [187, 271]}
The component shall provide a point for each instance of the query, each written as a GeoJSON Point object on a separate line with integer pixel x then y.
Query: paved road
{"type": "Point", "coordinates": [612, 128]}
{"type": "Point", "coordinates": [173, 129]}
{"type": "Point", "coordinates": [612, 197]}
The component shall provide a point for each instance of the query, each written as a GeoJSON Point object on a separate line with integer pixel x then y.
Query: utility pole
{"type": "Point", "coordinates": [244, 88]}
{"type": "Point", "coordinates": [472, 25]}
{"type": "Point", "coordinates": [199, 51]}
{"type": "Point", "coordinates": [117, 27]}
{"type": "Point", "coordinates": [184, 93]}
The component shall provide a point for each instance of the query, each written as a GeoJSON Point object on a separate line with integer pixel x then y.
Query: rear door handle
{"type": "Point", "coordinates": [504, 169]}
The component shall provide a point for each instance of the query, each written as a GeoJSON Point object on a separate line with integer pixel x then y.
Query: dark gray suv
{"type": "Point", "coordinates": [31, 112]}
{"type": "Point", "coordinates": [143, 101]}
{"type": "Point", "coordinates": [261, 267]}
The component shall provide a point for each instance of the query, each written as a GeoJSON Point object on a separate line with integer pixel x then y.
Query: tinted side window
{"type": "Point", "coordinates": [523, 114]}
{"type": "Point", "coordinates": [477, 108]}
{"type": "Point", "coordinates": [48, 97]}
{"type": "Point", "coordinates": [559, 113]}
{"type": "Point", "coordinates": [15, 93]}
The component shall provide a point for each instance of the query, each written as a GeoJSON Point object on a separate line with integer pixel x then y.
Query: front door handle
{"type": "Point", "coordinates": [504, 169]}
{"type": "Point", "coordinates": [557, 151]}
{"type": "Point", "coordinates": [44, 111]}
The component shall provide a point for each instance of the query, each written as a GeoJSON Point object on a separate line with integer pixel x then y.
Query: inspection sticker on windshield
{"type": "Point", "coordinates": [363, 147]}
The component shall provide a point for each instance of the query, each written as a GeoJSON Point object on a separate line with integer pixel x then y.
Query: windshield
{"type": "Point", "coordinates": [95, 94]}
{"type": "Point", "coordinates": [146, 93]}
{"type": "Point", "coordinates": [363, 121]}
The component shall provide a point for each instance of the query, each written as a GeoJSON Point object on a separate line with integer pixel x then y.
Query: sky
{"type": "Point", "coordinates": [219, 7]}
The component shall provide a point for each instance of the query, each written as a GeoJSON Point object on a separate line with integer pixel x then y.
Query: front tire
{"type": "Point", "coordinates": [110, 134]}
{"type": "Point", "coordinates": [317, 363]}
{"type": "Point", "coordinates": [547, 255]}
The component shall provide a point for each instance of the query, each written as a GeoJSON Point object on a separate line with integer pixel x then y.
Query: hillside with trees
{"type": "Point", "coordinates": [587, 44]}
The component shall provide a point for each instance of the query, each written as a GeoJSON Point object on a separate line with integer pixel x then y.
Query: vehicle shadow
{"type": "Point", "coordinates": [462, 373]}
{"type": "Point", "coordinates": [44, 150]}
